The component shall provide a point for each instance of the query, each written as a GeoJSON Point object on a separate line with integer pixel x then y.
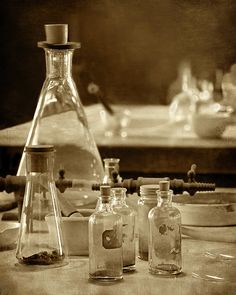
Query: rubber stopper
{"type": "Point", "coordinates": [56, 33]}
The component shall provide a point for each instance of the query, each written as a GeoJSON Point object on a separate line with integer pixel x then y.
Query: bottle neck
{"type": "Point", "coordinates": [164, 199]}
{"type": "Point", "coordinates": [104, 204]}
{"type": "Point", "coordinates": [58, 63]}
{"type": "Point", "coordinates": [119, 200]}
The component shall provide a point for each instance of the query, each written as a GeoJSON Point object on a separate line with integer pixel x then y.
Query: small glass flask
{"type": "Point", "coordinates": [111, 170]}
{"type": "Point", "coordinates": [128, 217]}
{"type": "Point", "coordinates": [165, 235]}
{"type": "Point", "coordinates": [111, 173]}
{"type": "Point", "coordinates": [105, 240]}
{"type": "Point", "coordinates": [37, 245]}
{"type": "Point", "coordinates": [147, 201]}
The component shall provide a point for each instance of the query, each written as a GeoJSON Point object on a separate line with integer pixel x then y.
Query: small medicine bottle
{"type": "Point", "coordinates": [165, 235]}
{"type": "Point", "coordinates": [128, 217]}
{"type": "Point", "coordinates": [105, 240]}
{"type": "Point", "coordinates": [148, 200]}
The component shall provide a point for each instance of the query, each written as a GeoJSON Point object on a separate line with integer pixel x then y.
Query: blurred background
{"type": "Point", "coordinates": [132, 49]}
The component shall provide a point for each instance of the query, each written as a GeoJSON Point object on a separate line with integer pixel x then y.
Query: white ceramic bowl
{"type": "Point", "coordinates": [75, 232]}
{"type": "Point", "coordinates": [210, 125]}
{"type": "Point", "coordinates": [8, 234]}
{"type": "Point", "coordinates": [207, 209]}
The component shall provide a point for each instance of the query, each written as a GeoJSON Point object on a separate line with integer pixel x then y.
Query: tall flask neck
{"type": "Point", "coordinates": [58, 63]}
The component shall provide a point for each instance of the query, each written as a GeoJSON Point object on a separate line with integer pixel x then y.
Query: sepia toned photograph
{"type": "Point", "coordinates": [118, 147]}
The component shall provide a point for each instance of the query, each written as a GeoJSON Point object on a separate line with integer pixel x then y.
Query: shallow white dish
{"type": "Point", "coordinates": [75, 231]}
{"type": "Point", "coordinates": [207, 209]}
{"type": "Point", "coordinates": [217, 234]}
{"type": "Point", "coordinates": [8, 234]}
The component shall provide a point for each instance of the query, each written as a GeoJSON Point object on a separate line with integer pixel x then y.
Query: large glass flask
{"type": "Point", "coordinates": [128, 218]}
{"type": "Point", "coordinates": [59, 118]}
{"type": "Point", "coordinates": [164, 255]}
{"type": "Point", "coordinates": [37, 245]}
{"type": "Point", "coordinates": [105, 240]}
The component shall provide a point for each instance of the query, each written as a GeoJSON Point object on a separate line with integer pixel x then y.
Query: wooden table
{"type": "Point", "coordinates": [73, 278]}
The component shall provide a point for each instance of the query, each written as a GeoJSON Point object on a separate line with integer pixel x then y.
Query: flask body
{"type": "Point", "coordinates": [60, 120]}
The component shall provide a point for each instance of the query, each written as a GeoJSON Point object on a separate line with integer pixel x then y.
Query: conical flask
{"type": "Point", "coordinates": [59, 118]}
{"type": "Point", "coordinates": [40, 238]}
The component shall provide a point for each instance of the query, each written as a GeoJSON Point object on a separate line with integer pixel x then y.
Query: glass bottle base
{"type": "Point", "coordinates": [165, 270]}
{"type": "Point", "coordinates": [143, 255]}
{"type": "Point", "coordinates": [104, 278]}
{"type": "Point", "coordinates": [129, 268]}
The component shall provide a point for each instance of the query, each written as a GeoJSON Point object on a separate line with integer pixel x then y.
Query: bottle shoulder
{"type": "Point", "coordinates": [104, 214]}
{"type": "Point", "coordinates": [162, 211]}
{"type": "Point", "coordinates": [124, 210]}
{"type": "Point", "coordinates": [147, 200]}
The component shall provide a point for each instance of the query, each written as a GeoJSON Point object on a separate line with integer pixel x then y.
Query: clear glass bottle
{"type": "Point", "coordinates": [105, 240]}
{"type": "Point", "coordinates": [128, 218]}
{"type": "Point", "coordinates": [165, 256]}
{"type": "Point", "coordinates": [59, 118]}
{"type": "Point", "coordinates": [40, 238]}
{"type": "Point", "coordinates": [111, 173]}
{"type": "Point", "coordinates": [111, 170]}
{"type": "Point", "coordinates": [147, 201]}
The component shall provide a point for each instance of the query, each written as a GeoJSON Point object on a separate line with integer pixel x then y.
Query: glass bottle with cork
{"type": "Point", "coordinates": [165, 235]}
{"type": "Point", "coordinates": [128, 218]}
{"type": "Point", "coordinates": [105, 240]}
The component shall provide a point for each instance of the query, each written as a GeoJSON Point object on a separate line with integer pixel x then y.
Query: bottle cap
{"type": "Point", "coordinates": [56, 33]}
{"type": "Point", "coordinates": [149, 190]}
{"type": "Point", "coordinates": [164, 185]}
{"type": "Point", "coordinates": [39, 148]}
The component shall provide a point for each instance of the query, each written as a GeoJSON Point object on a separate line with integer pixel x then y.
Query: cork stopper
{"type": "Point", "coordinates": [56, 33]}
{"type": "Point", "coordinates": [57, 37]}
{"type": "Point", "coordinates": [149, 190]}
{"type": "Point", "coordinates": [37, 157]}
{"type": "Point", "coordinates": [164, 185]}
{"type": "Point", "coordinates": [105, 191]}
